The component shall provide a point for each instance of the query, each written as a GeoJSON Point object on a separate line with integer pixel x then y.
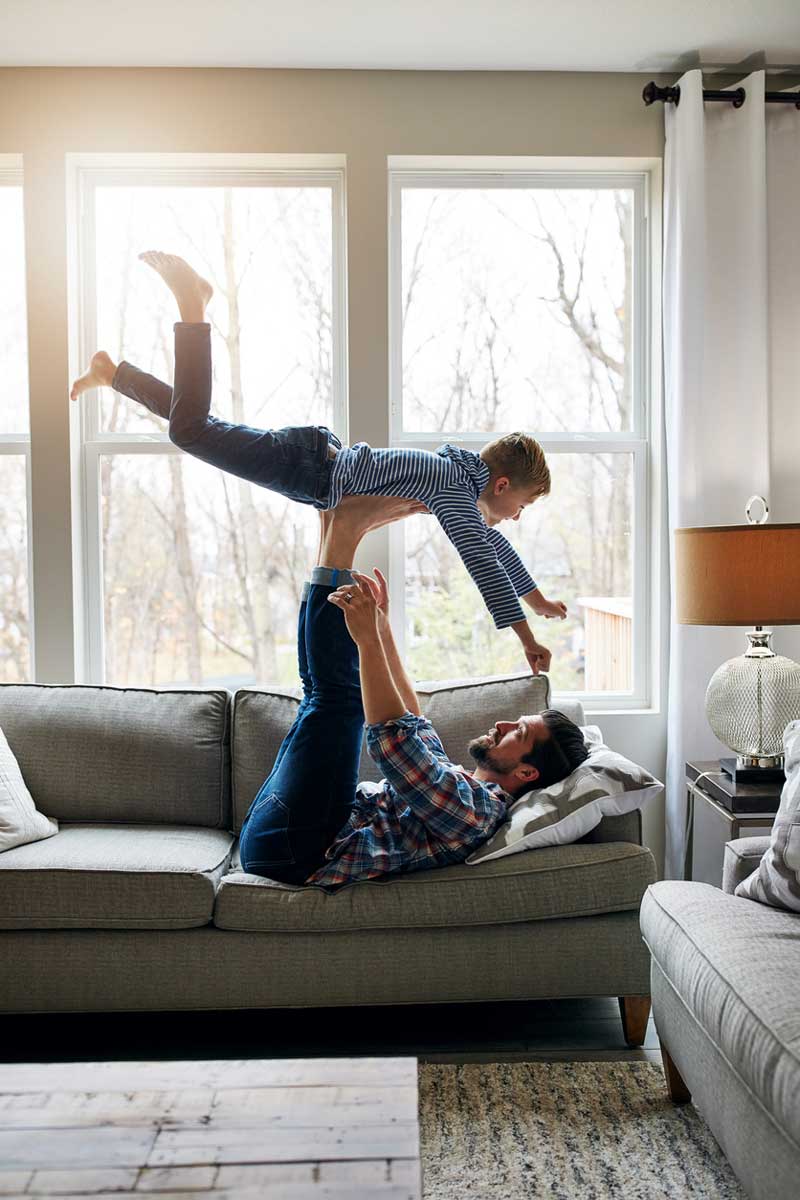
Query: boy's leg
{"type": "Point", "coordinates": [126, 379]}
{"type": "Point", "coordinates": [294, 461]}
{"type": "Point", "coordinates": [137, 385]}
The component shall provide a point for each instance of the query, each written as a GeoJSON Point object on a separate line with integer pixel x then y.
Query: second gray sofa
{"type": "Point", "coordinates": [725, 984]}
{"type": "Point", "coordinates": [139, 903]}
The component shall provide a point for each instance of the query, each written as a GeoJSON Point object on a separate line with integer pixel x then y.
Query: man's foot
{"type": "Point", "coordinates": [190, 289]}
{"type": "Point", "coordinates": [102, 370]}
{"type": "Point", "coordinates": [364, 513]}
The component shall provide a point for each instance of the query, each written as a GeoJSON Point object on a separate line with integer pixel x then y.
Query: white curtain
{"type": "Point", "coordinates": [731, 363]}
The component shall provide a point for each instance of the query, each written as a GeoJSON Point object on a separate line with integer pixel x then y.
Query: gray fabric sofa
{"type": "Point", "coordinates": [725, 985]}
{"type": "Point", "coordinates": [139, 901]}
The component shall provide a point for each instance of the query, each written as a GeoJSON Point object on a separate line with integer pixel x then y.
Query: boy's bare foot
{"type": "Point", "coordinates": [102, 370]}
{"type": "Point", "coordinates": [190, 289]}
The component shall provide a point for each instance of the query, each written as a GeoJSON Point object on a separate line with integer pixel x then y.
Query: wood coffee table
{"type": "Point", "coordinates": [288, 1128]}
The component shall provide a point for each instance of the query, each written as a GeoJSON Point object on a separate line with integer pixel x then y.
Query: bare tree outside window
{"type": "Point", "coordinates": [517, 314]}
{"type": "Point", "coordinates": [201, 571]}
{"type": "Point", "coordinates": [15, 665]}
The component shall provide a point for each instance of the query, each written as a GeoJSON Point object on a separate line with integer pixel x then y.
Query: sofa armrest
{"type": "Point", "coordinates": [742, 856]}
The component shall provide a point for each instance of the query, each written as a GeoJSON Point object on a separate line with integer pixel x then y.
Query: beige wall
{"type": "Point", "coordinates": [364, 115]}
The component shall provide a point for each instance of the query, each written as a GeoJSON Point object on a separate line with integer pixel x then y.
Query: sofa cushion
{"type": "Point", "coordinates": [114, 877]}
{"type": "Point", "coordinates": [563, 881]}
{"type": "Point", "coordinates": [122, 754]}
{"type": "Point", "coordinates": [458, 710]}
{"type": "Point", "coordinates": [735, 966]}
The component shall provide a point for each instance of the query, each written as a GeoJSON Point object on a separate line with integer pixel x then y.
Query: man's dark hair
{"type": "Point", "coordinates": [557, 756]}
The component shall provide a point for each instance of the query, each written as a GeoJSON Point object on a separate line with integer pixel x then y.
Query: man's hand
{"type": "Point", "coordinates": [379, 590]}
{"type": "Point", "coordinates": [538, 658]}
{"type": "Point", "coordinates": [360, 610]}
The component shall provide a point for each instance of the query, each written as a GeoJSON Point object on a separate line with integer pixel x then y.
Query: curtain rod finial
{"type": "Point", "coordinates": [651, 92]}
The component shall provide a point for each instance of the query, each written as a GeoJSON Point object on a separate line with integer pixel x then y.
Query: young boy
{"type": "Point", "coordinates": [469, 494]}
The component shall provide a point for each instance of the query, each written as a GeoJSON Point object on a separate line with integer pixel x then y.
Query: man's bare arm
{"type": "Point", "coordinates": [400, 675]}
{"type": "Point", "coordinates": [380, 696]}
{"type": "Point", "coordinates": [402, 680]}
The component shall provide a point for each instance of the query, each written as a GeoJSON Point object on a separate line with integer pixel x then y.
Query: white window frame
{"type": "Point", "coordinates": [643, 441]}
{"type": "Point", "coordinates": [85, 172]}
{"type": "Point", "coordinates": [17, 444]}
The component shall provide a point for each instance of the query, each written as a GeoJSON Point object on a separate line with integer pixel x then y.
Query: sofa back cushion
{"type": "Point", "coordinates": [122, 754]}
{"type": "Point", "coordinates": [261, 720]}
{"type": "Point", "coordinates": [458, 710]}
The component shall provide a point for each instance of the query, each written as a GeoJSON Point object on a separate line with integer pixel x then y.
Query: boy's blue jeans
{"type": "Point", "coordinates": [292, 461]}
{"type": "Point", "coordinates": [309, 794]}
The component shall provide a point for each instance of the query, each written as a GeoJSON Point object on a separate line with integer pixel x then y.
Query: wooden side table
{"type": "Point", "coordinates": [721, 811]}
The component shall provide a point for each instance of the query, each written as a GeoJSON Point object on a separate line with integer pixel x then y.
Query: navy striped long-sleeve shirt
{"type": "Point", "coordinates": [448, 482]}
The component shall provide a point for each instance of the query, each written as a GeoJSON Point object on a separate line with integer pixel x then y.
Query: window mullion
{"type": "Point", "coordinates": [93, 631]}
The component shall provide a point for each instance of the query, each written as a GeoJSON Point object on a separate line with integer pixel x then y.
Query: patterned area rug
{"type": "Point", "coordinates": [564, 1131]}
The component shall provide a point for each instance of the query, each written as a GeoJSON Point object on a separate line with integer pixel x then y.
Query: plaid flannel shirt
{"type": "Point", "coordinates": [426, 813]}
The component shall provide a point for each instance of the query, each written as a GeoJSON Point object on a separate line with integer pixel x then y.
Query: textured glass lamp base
{"type": "Point", "coordinates": [750, 701]}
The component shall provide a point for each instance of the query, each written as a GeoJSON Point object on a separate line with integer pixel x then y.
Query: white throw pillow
{"type": "Point", "coordinates": [606, 785]}
{"type": "Point", "coordinates": [19, 820]}
{"type": "Point", "coordinates": [777, 878]}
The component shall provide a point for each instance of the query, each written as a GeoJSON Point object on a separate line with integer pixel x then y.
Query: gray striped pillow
{"type": "Point", "coordinates": [777, 879]}
{"type": "Point", "coordinates": [19, 820]}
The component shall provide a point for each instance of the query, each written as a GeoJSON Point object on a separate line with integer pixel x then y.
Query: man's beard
{"type": "Point", "coordinates": [481, 750]}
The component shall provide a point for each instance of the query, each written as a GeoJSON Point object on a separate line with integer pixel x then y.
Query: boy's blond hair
{"type": "Point", "coordinates": [521, 459]}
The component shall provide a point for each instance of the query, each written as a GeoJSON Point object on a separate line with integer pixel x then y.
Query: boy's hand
{"type": "Point", "coordinates": [551, 608]}
{"type": "Point", "coordinates": [360, 610]}
{"type": "Point", "coordinates": [538, 658]}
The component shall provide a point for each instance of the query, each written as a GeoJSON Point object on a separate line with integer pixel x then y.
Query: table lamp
{"type": "Point", "coordinates": [745, 575]}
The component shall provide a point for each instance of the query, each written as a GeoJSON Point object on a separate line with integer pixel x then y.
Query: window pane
{"type": "Point", "coordinates": [13, 326]}
{"type": "Point", "coordinates": [202, 574]}
{"type": "Point", "coordinates": [15, 664]}
{"type": "Point", "coordinates": [516, 309]}
{"type": "Point", "coordinates": [267, 251]}
{"type": "Point", "coordinates": [577, 544]}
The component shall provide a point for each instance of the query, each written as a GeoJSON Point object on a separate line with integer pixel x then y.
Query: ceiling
{"type": "Point", "coordinates": [507, 35]}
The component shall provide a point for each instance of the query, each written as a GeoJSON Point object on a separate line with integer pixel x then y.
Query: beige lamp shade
{"type": "Point", "coordinates": [738, 575]}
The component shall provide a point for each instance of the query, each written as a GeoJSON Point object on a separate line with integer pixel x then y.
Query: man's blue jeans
{"type": "Point", "coordinates": [293, 461]}
{"type": "Point", "coordinates": [309, 794]}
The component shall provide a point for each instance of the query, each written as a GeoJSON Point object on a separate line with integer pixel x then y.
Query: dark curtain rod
{"type": "Point", "coordinates": [735, 96]}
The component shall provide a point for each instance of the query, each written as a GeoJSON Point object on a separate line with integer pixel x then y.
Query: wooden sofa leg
{"type": "Point", "coordinates": [678, 1091]}
{"type": "Point", "coordinates": [635, 1011]}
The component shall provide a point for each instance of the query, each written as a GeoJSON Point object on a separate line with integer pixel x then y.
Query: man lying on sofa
{"type": "Point", "coordinates": [310, 822]}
